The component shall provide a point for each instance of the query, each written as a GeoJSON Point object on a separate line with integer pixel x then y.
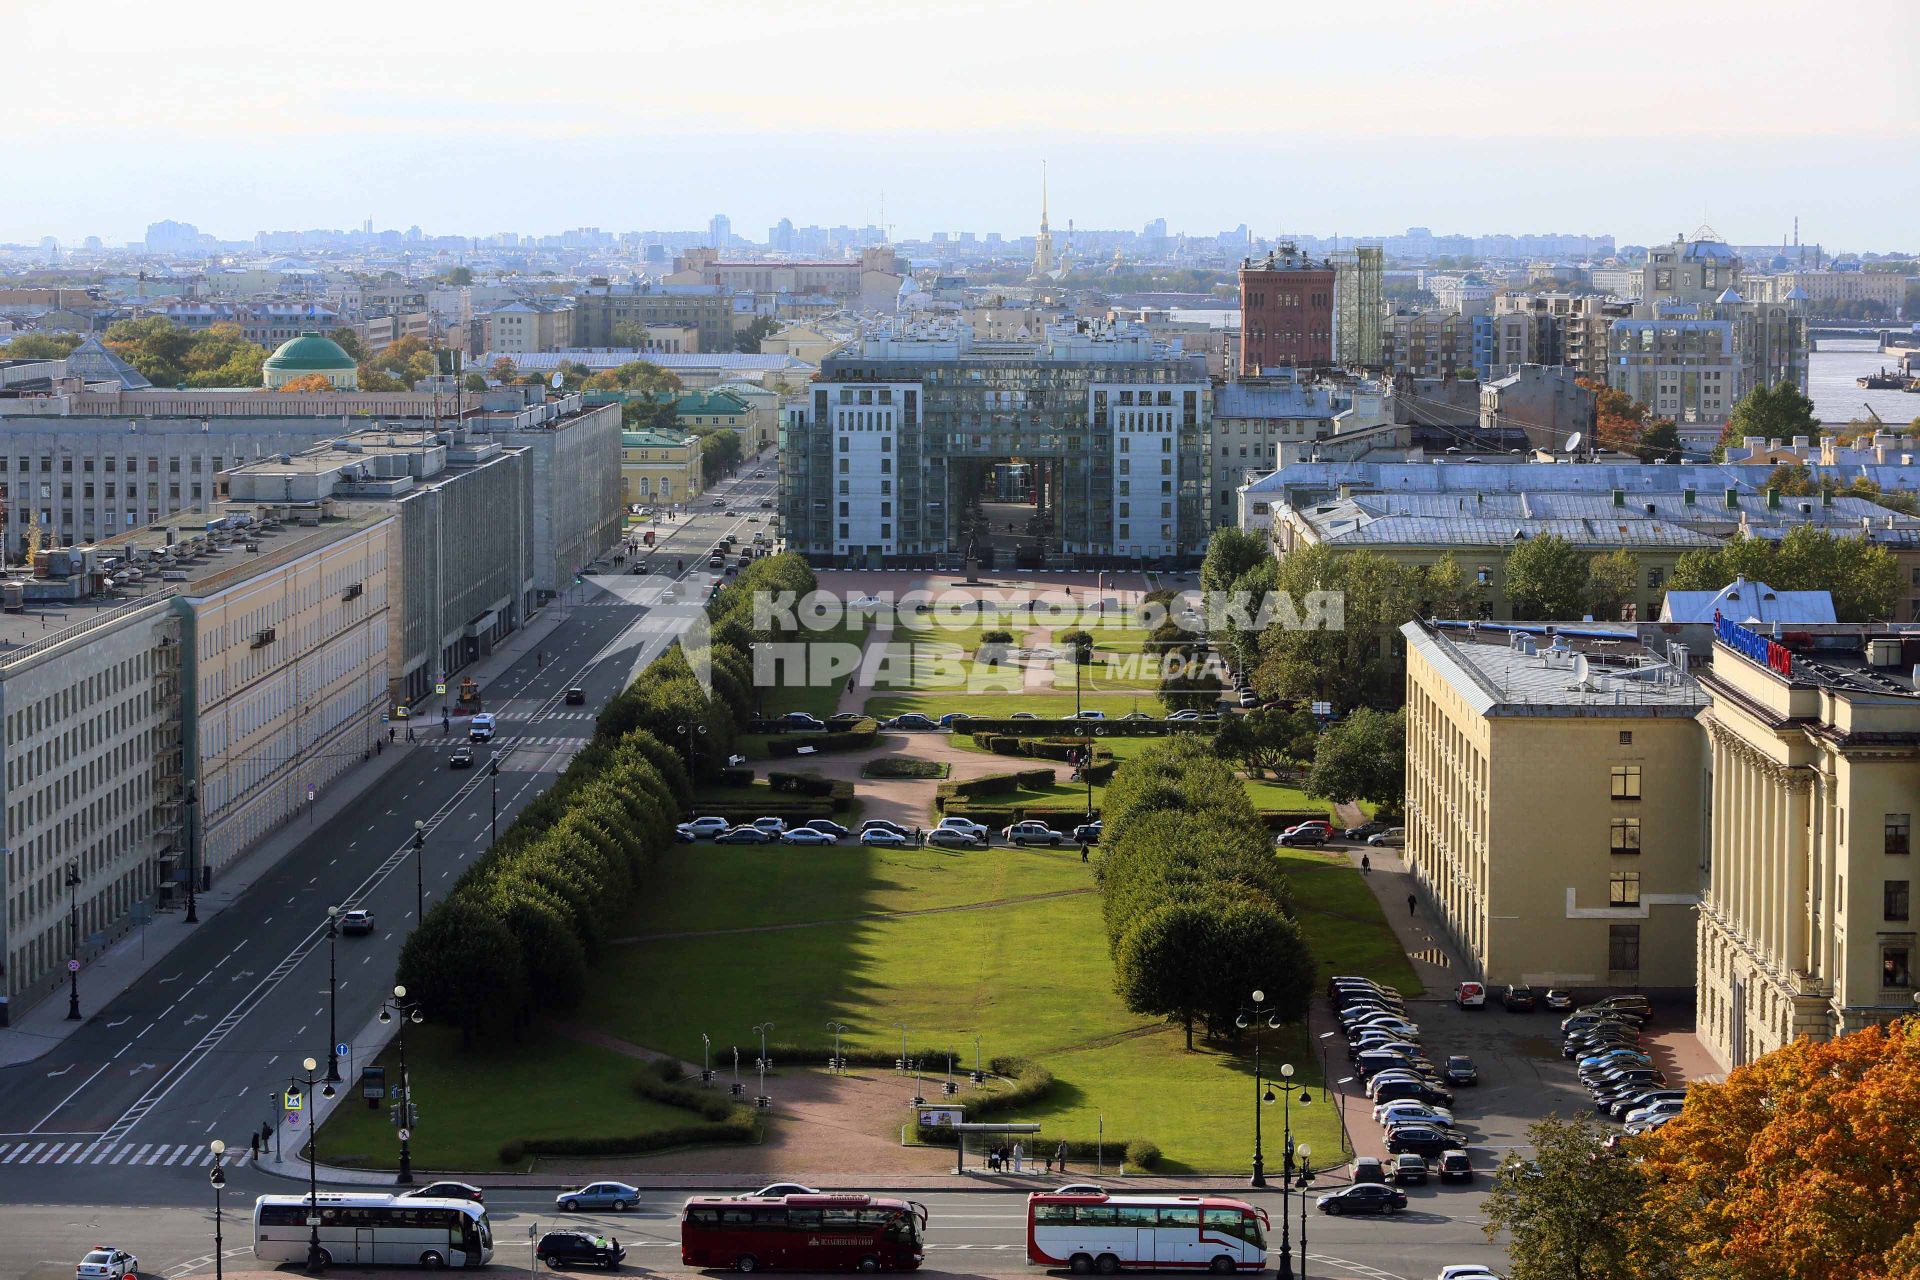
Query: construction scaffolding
{"type": "Point", "coordinates": [1357, 275]}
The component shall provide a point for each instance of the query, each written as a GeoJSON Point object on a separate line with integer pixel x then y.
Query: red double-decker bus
{"type": "Point", "coordinates": [803, 1233]}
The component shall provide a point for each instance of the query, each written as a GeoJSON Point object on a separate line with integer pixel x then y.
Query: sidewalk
{"type": "Point", "coordinates": [43, 1027]}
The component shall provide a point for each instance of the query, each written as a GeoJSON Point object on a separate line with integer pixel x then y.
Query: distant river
{"type": "Point", "coordinates": [1832, 375]}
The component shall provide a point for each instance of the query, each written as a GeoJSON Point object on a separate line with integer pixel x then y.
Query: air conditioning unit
{"type": "Point", "coordinates": [261, 639]}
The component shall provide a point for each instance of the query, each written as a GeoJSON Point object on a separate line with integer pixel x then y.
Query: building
{"type": "Point", "coordinates": [1751, 604]}
{"type": "Point", "coordinates": [613, 316]}
{"type": "Point", "coordinates": [1043, 257]}
{"type": "Point", "coordinates": [91, 721]}
{"type": "Point", "coordinates": [1569, 329]}
{"type": "Point", "coordinates": [891, 465]}
{"type": "Point", "coordinates": [1286, 312]}
{"type": "Point", "coordinates": [529, 324]}
{"type": "Point", "coordinates": [311, 355]}
{"type": "Point", "coordinates": [870, 282]}
{"type": "Point", "coordinates": [658, 466]}
{"type": "Point", "coordinates": [1690, 273]}
{"type": "Point", "coordinates": [1555, 802]}
{"type": "Point", "coordinates": [1428, 344]}
{"type": "Point", "coordinates": [1813, 747]}
{"type": "Point", "coordinates": [573, 453]}
{"type": "Point", "coordinates": [1825, 291]}
{"type": "Point", "coordinates": [1253, 420]}
{"type": "Point", "coordinates": [1357, 279]}
{"type": "Point", "coordinates": [695, 370]}
{"type": "Point", "coordinates": [1549, 404]}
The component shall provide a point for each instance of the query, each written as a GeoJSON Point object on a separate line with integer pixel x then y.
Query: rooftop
{"type": "Point", "coordinates": [1545, 669]}
{"type": "Point", "coordinates": [1349, 522]}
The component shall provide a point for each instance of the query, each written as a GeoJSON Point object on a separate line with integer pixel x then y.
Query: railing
{"type": "Point", "coordinates": [103, 618]}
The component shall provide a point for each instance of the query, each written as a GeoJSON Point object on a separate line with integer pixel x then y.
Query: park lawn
{"type": "Point", "coordinates": [924, 630]}
{"type": "Point", "coordinates": [1098, 676]}
{"type": "Point", "coordinates": [792, 884]}
{"type": "Point", "coordinates": [1061, 797]}
{"type": "Point", "coordinates": [1031, 979]}
{"type": "Point", "coordinates": [795, 694]}
{"type": "Point", "coordinates": [471, 1101]}
{"type": "Point", "coordinates": [926, 666]}
{"type": "Point", "coordinates": [1269, 796]}
{"type": "Point", "coordinates": [1343, 922]}
{"type": "Point", "coordinates": [1000, 706]}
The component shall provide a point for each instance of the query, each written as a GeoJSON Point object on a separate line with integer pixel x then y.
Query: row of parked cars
{"type": "Point", "coordinates": [1603, 1039]}
{"type": "Point", "coordinates": [952, 832]}
{"type": "Point", "coordinates": [1318, 831]}
{"type": "Point", "coordinates": [1412, 1099]}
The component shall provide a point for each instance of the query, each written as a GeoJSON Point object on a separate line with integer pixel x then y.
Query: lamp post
{"type": "Point", "coordinates": [333, 998]}
{"type": "Point", "coordinates": [193, 872]}
{"type": "Point", "coordinates": [761, 1099]}
{"type": "Point", "coordinates": [1263, 1094]}
{"type": "Point", "coordinates": [838, 1064]}
{"type": "Point", "coordinates": [305, 1084]}
{"type": "Point", "coordinates": [689, 734]}
{"type": "Point", "coordinates": [493, 780]}
{"type": "Point", "coordinates": [1306, 1180]}
{"type": "Point", "coordinates": [73, 940]}
{"type": "Point", "coordinates": [405, 1111]}
{"type": "Point", "coordinates": [419, 871]}
{"type": "Point", "coordinates": [218, 1177]}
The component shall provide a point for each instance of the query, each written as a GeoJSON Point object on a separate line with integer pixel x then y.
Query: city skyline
{"type": "Point", "coordinates": [957, 141]}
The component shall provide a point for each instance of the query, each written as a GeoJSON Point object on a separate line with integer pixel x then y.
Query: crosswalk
{"type": "Point", "coordinates": [518, 742]}
{"type": "Point", "coordinates": [97, 1151]}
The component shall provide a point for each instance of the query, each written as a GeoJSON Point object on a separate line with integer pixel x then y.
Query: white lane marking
{"type": "Point", "coordinates": [177, 1153]}
{"type": "Point", "coordinates": [70, 1097]}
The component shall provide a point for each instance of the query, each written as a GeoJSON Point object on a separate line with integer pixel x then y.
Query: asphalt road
{"type": "Point", "coordinates": [969, 1233]}
{"type": "Point", "coordinates": [199, 1047]}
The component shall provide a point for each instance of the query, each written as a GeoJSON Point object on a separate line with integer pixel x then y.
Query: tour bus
{"type": "Point", "coordinates": [1106, 1233]}
{"type": "Point", "coordinates": [820, 1232]}
{"type": "Point", "coordinates": [378, 1229]}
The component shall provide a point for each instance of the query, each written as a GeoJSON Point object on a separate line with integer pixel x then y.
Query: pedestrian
{"type": "Point", "coordinates": [1083, 851]}
{"type": "Point", "coordinates": [1412, 904]}
{"type": "Point", "coordinates": [1366, 865]}
{"type": "Point", "coordinates": [390, 733]}
{"type": "Point", "coordinates": [1060, 1155]}
{"type": "Point", "coordinates": [1019, 1157]}
{"type": "Point", "coordinates": [1049, 1163]}
{"type": "Point", "coordinates": [255, 1139]}
{"type": "Point", "coordinates": [916, 835]}
{"type": "Point", "coordinates": [379, 747]}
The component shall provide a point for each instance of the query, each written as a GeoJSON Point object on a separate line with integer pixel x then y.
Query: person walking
{"type": "Point", "coordinates": [1060, 1155]}
{"type": "Point", "coordinates": [1083, 851]}
{"type": "Point", "coordinates": [1366, 865]}
{"type": "Point", "coordinates": [390, 732]}
{"type": "Point", "coordinates": [1413, 904]}
{"type": "Point", "coordinates": [1049, 1162]}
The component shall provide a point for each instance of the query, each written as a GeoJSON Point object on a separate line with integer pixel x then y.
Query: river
{"type": "Point", "coordinates": [1838, 398]}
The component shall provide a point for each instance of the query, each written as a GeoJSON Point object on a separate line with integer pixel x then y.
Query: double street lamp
{"type": "Point", "coordinates": [419, 871]}
{"type": "Point", "coordinates": [404, 1110]}
{"type": "Point", "coordinates": [333, 998]}
{"type": "Point", "coordinates": [73, 940]}
{"type": "Point", "coordinates": [1304, 1181]}
{"type": "Point", "coordinates": [303, 1085]}
{"type": "Point", "coordinates": [493, 780]}
{"type": "Point", "coordinates": [218, 1177]}
{"type": "Point", "coordinates": [1264, 1095]}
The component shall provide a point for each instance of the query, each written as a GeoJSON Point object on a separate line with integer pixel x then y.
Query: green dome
{"type": "Point", "coordinates": [310, 353]}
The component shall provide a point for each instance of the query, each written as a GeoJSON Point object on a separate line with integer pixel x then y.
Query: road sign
{"type": "Point", "coordinates": [73, 966]}
{"type": "Point", "coordinates": [440, 687]}
{"type": "Point", "coordinates": [295, 1100]}
{"type": "Point", "coordinates": [309, 793]}
{"type": "Point", "coordinates": [405, 1134]}
{"type": "Point", "coordinates": [342, 1048]}
{"type": "Point", "coordinates": [293, 1119]}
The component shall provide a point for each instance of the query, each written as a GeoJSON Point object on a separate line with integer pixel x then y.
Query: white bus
{"type": "Point", "coordinates": [1145, 1233]}
{"type": "Point", "coordinates": [378, 1229]}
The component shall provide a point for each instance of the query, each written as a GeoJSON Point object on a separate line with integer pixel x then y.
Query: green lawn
{"type": "Point", "coordinates": [1061, 797]}
{"type": "Point", "coordinates": [1098, 676]}
{"type": "Point", "coordinates": [470, 1103]}
{"type": "Point", "coordinates": [1343, 921]}
{"type": "Point", "coordinates": [821, 700]}
{"type": "Point", "coordinates": [931, 666]}
{"type": "Point", "coordinates": [1002, 705]}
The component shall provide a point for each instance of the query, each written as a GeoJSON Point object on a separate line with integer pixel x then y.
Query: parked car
{"type": "Point", "coordinates": [105, 1262]}
{"type": "Point", "coordinates": [617, 1196]}
{"type": "Point", "coordinates": [772, 826]}
{"type": "Point", "coordinates": [480, 728]}
{"type": "Point", "coordinates": [1646, 1098]}
{"type": "Point", "coordinates": [684, 834]}
{"type": "Point", "coordinates": [708, 827]}
{"type": "Point", "coordinates": [1362, 831]}
{"type": "Point", "coordinates": [1087, 832]}
{"type": "Point", "coordinates": [1621, 1057]}
{"type": "Point", "coordinates": [1031, 832]}
{"type": "Point", "coordinates": [744, 835]}
{"type": "Point", "coordinates": [1183, 717]}
{"type": "Point", "coordinates": [953, 719]}
{"type": "Point", "coordinates": [1408, 1168]}
{"type": "Point", "coordinates": [559, 1249]}
{"type": "Point", "coordinates": [1455, 1164]}
{"type": "Point", "coordinates": [1298, 836]}
{"type": "Point", "coordinates": [1666, 1107]}
{"type": "Point", "coordinates": [1637, 1006]}
{"type": "Point", "coordinates": [1081, 1189]}
{"type": "Point", "coordinates": [1519, 999]}
{"type": "Point", "coordinates": [1375, 1061]}
{"type": "Point", "coordinates": [801, 720]}
{"type": "Point", "coordinates": [1363, 1198]}
{"type": "Point", "coordinates": [1137, 715]}
{"type": "Point", "coordinates": [871, 823]}
{"type": "Point", "coordinates": [1404, 1110]}
{"type": "Point", "coordinates": [829, 826]}
{"type": "Point", "coordinates": [1089, 715]}
{"type": "Point", "coordinates": [1557, 999]}
{"type": "Point", "coordinates": [1470, 995]}
{"type": "Point", "coordinates": [447, 1191]}
{"type": "Point", "coordinates": [1459, 1070]}
{"type": "Point", "coordinates": [462, 758]}
{"type": "Point", "coordinates": [884, 838]}
{"type": "Point", "coordinates": [357, 921]}
{"type": "Point", "coordinates": [1391, 838]}
{"type": "Point", "coordinates": [1368, 1169]}
{"type": "Point", "coordinates": [954, 838]}
{"type": "Point", "coordinates": [808, 836]}
{"type": "Point", "coordinates": [1421, 1139]}
{"type": "Point", "coordinates": [978, 830]}
{"type": "Point", "coordinates": [1398, 1088]}
{"type": "Point", "coordinates": [1023, 715]}
{"type": "Point", "coordinates": [576, 696]}
{"type": "Point", "coordinates": [910, 720]}
{"type": "Point", "coordinates": [845, 717]}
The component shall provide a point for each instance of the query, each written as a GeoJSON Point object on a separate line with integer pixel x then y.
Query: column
{"type": "Point", "coordinates": [1768, 921]}
{"type": "Point", "coordinates": [1796, 884]}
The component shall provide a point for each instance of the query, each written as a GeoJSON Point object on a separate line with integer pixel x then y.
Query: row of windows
{"type": "Point", "coordinates": [775, 1216]}
{"type": "Point", "coordinates": [23, 464]}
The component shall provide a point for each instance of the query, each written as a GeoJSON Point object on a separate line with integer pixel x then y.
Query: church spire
{"type": "Point", "coordinates": [1043, 243]}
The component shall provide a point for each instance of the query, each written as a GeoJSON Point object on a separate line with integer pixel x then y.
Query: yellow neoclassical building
{"type": "Point", "coordinates": [659, 466]}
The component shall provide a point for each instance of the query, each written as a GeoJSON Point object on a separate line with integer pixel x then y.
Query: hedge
{"type": "Point", "coordinates": [736, 777]}
{"type": "Point", "coordinates": [995, 784]}
{"type": "Point", "coordinates": [1114, 727]}
{"type": "Point", "coordinates": [903, 767]}
{"type": "Point", "coordinates": [805, 784]}
{"type": "Point", "coordinates": [857, 738]}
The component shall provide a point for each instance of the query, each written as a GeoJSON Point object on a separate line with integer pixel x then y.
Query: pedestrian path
{"type": "Point", "coordinates": [167, 1154]}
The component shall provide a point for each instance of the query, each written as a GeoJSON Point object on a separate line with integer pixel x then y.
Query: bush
{"type": "Point", "coordinates": [805, 784]}
{"type": "Point", "coordinates": [1081, 642]}
{"type": "Point", "coordinates": [1142, 1154]}
{"type": "Point", "coordinates": [996, 636]}
{"type": "Point", "coordinates": [736, 777]}
{"type": "Point", "coordinates": [903, 767]}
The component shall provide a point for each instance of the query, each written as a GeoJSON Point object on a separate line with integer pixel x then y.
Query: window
{"type": "Point", "coordinates": [1896, 958]}
{"type": "Point", "coordinates": [1623, 889]}
{"type": "Point", "coordinates": [1899, 833]}
{"type": "Point", "coordinates": [1172, 1217]}
{"type": "Point", "coordinates": [1626, 782]}
{"type": "Point", "coordinates": [1624, 837]}
{"type": "Point", "coordinates": [1626, 737]}
{"type": "Point", "coordinates": [1894, 900]}
{"type": "Point", "coordinates": [1623, 948]}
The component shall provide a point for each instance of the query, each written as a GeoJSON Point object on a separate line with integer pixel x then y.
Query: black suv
{"type": "Point", "coordinates": [579, 1249]}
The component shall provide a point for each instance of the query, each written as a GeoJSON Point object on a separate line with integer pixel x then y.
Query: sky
{"type": "Point", "coordinates": [1638, 118]}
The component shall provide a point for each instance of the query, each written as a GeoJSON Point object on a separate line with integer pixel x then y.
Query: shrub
{"type": "Point", "coordinates": [1142, 1154]}
{"type": "Point", "coordinates": [903, 767]}
{"type": "Point", "coordinates": [996, 636]}
{"type": "Point", "coordinates": [736, 777]}
{"type": "Point", "coordinates": [805, 784]}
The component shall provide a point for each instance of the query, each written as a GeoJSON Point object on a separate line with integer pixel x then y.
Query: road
{"type": "Point", "coordinates": [200, 1046]}
{"type": "Point", "coordinates": [969, 1233]}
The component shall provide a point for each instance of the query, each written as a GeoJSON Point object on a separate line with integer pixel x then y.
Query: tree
{"type": "Point", "coordinates": [719, 454]}
{"type": "Point", "coordinates": [1347, 664]}
{"type": "Point", "coordinates": [306, 384]}
{"type": "Point", "coordinates": [457, 276]}
{"type": "Point", "coordinates": [748, 340]}
{"type": "Point", "coordinates": [1613, 582]}
{"type": "Point", "coordinates": [1267, 738]}
{"type": "Point", "coordinates": [629, 334]}
{"type": "Point", "coordinates": [1443, 589]}
{"type": "Point", "coordinates": [41, 346]}
{"type": "Point", "coordinates": [1546, 578]}
{"type": "Point", "coordinates": [1623, 424]}
{"type": "Point", "coordinates": [474, 382]}
{"type": "Point", "coordinates": [649, 415]}
{"type": "Point", "coordinates": [1776, 414]}
{"type": "Point", "coordinates": [463, 967]}
{"type": "Point", "coordinates": [503, 370]}
{"type": "Point", "coordinates": [1362, 757]}
{"type": "Point", "coordinates": [348, 341]}
{"type": "Point", "coordinates": [1232, 553]}
{"type": "Point", "coordinates": [1660, 440]}
{"type": "Point", "coordinates": [1570, 1211]}
{"type": "Point", "coordinates": [1863, 577]}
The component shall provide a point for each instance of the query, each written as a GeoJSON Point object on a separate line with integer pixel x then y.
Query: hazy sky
{"type": "Point", "coordinates": [1636, 117]}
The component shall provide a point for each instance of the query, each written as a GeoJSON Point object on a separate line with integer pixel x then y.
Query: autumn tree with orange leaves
{"type": "Point", "coordinates": [305, 383]}
{"type": "Point", "coordinates": [1802, 1166]}
{"type": "Point", "coordinates": [1625, 425]}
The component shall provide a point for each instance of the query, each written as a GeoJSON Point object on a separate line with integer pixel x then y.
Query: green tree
{"type": "Point", "coordinates": [458, 276]}
{"type": "Point", "coordinates": [1362, 757]}
{"type": "Point", "coordinates": [41, 346]}
{"type": "Point", "coordinates": [1661, 440]}
{"type": "Point", "coordinates": [1232, 553]}
{"type": "Point", "coordinates": [1546, 578]}
{"type": "Point", "coordinates": [1267, 738]}
{"type": "Point", "coordinates": [1863, 577]}
{"type": "Point", "coordinates": [474, 382]}
{"type": "Point", "coordinates": [349, 341]}
{"type": "Point", "coordinates": [1348, 665]}
{"type": "Point", "coordinates": [1777, 414]}
{"type": "Point", "coordinates": [748, 340]}
{"type": "Point", "coordinates": [719, 454]}
{"type": "Point", "coordinates": [464, 968]}
{"type": "Point", "coordinates": [1613, 582]}
{"type": "Point", "coordinates": [649, 415]}
{"type": "Point", "coordinates": [629, 334]}
{"type": "Point", "coordinates": [1568, 1212]}
{"type": "Point", "coordinates": [1443, 589]}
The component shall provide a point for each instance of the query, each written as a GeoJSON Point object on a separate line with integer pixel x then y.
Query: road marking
{"type": "Point", "coordinates": [122, 1022]}
{"type": "Point", "coordinates": [145, 1066]}
{"type": "Point", "coordinates": [16, 1153]}
{"type": "Point", "coordinates": [106, 1149]}
{"type": "Point", "coordinates": [70, 1097]}
{"type": "Point", "coordinates": [136, 1155]}
{"type": "Point", "coordinates": [196, 1017]}
{"type": "Point", "coordinates": [54, 1075]}
{"type": "Point", "coordinates": [150, 1026]}
{"type": "Point", "coordinates": [123, 1049]}
{"type": "Point", "coordinates": [174, 978]}
{"type": "Point", "coordinates": [178, 1152]}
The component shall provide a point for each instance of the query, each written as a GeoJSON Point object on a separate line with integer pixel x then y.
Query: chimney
{"type": "Point", "coordinates": [1733, 499]}
{"type": "Point", "coordinates": [1773, 499]}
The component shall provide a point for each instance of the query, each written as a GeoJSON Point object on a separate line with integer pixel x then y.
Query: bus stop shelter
{"type": "Point", "coordinates": [960, 1132]}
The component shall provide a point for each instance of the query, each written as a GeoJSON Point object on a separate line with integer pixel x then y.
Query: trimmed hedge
{"type": "Point", "coordinates": [903, 767]}
{"type": "Point", "coordinates": [995, 784]}
{"type": "Point", "coordinates": [736, 777]}
{"type": "Point", "coordinates": [857, 738]}
{"type": "Point", "coordinates": [1114, 727]}
{"type": "Point", "coordinates": [805, 784]}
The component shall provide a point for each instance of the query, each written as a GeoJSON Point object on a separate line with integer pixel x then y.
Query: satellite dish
{"type": "Point", "coordinates": [1573, 441]}
{"type": "Point", "coordinates": [1581, 669]}
{"type": "Point", "coordinates": [558, 380]}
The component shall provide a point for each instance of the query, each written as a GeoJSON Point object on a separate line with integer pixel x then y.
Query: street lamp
{"type": "Point", "coordinates": [493, 780]}
{"type": "Point", "coordinates": [218, 1177]}
{"type": "Point", "coordinates": [761, 1099]}
{"type": "Point", "coordinates": [1263, 1091]}
{"type": "Point", "coordinates": [690, 734]}
{"type": "Point", "coordinates": [73, 940]}
{"type": "Point", "coordinates": [333, 998]}
{"type": "Point", "coordinates": [837, 1063]}
{"type": "Point", "coordinates": [419, 871]}
{"type": "Point", "coordinates": [1306, 1180]}
{"type": "Point", "coordinates": [193, 872]}
{"type": "Point", "coordinates": [298, 1085]}
{"type": "Point", "coordinates": [404, 1110]}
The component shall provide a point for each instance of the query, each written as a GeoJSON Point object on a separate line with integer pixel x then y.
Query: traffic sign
{"type": "Point", "coordinates": [440, 687]}
{"type": "Point", "coordinates": [295, 1100]}
{"type": "Point", "coordinates": [73, 966]}
{"type": "Point", "coordinates": [309, 793]}
{"type": "Point", "coordinates": [342, 1048]}
{"type": "Point", "coordinates": [405, 1134]}
{"type": "Point", "coordinates": [293, 1119]}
